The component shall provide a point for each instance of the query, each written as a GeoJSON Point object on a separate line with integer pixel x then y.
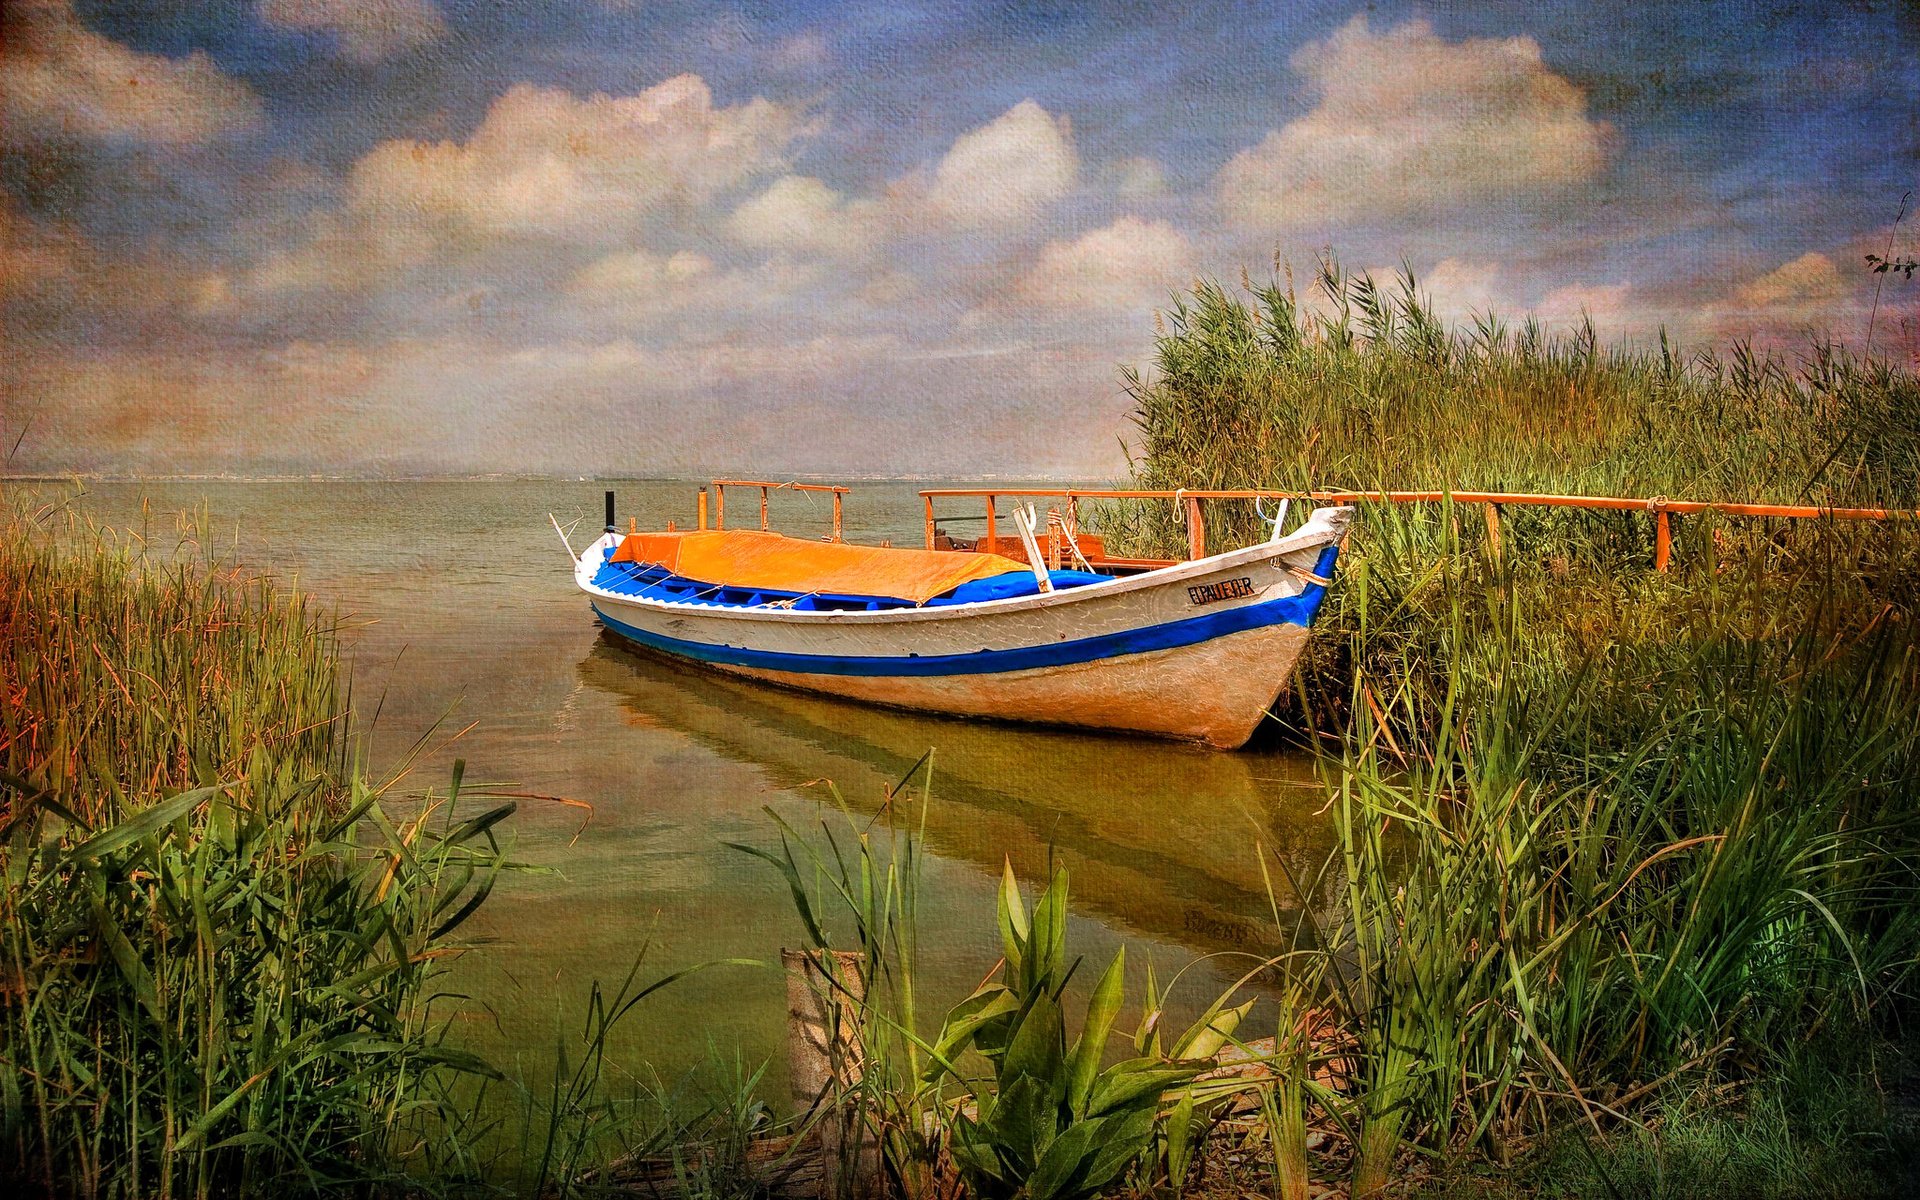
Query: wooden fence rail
{"type": "Point", "coordinates": [1188, 499]}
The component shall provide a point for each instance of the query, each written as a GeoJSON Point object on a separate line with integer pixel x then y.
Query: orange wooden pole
{"type": "Point", "coordinates": [929, 500]}
{"type": "Point", "coordinates": [1662, 541]}
{"type": "Point", "coordinates": [763, 510]}
{"type": "Point", "coordinates": [703, 508]}
{"type": "Point", "coordinates": [836, 516]}
{"type": "Point", "coordinates": [719, 506]}
{"type": "Point", "coordinates": [992, 546]}
{"type": "Point", "coordinates": [1196, 530]}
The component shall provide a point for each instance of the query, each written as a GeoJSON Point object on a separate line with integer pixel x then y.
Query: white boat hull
{"type": "Point", "coordinates": [1200, 650]}
{"type": "Point", "coordinates": [1216, 691]}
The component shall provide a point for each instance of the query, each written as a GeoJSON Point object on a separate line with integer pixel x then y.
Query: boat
{"type": "Point", "coordinates": [1197, 650]}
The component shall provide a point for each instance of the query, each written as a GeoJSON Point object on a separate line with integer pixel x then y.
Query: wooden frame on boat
{"type": "Point", "coordinates": [720, 487]}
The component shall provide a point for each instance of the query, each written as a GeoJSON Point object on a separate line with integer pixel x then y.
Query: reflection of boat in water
{"type": "Point", "coordinates": [1197, 650]}
{"type": "Point", "coordinates": [1163, 839]}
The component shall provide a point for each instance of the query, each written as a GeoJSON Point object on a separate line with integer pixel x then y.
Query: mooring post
{"type": "Point", "coordinates": [826, 990]}
{"type": "Point", "coordinates": [610, 524]}
{"type": "Point", "coordinates": [703, 509]}
{"type": "Point", "coordinates": [836, 514]}
{"type": "Point", "coordinates": [719, 506]}
{"type": "Point", "coordinates": [1196, 527]}
{"type": "Point", "coordinates": [929, 500]}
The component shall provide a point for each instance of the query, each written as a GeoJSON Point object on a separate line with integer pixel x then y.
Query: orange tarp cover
{"type": "Point", "coordinates": [751, 558]}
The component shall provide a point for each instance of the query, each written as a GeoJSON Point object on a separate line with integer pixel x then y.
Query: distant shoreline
{"type": "Point", "coordinates": [808, 477]}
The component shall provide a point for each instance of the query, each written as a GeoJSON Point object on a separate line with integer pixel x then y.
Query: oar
{"type": "Point", "coordinates": [563, 538]}
{"type": "Point", "coordinates": [1024, 520]}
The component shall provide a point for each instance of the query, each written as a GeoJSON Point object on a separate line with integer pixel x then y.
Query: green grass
{"type": "Point", "coordinates": [1360, 386]}
{"type": "Point", "coordinates": [1598, 827]}
{"type": "Point", "coordinates": [224, 953]}
{"type": "Point", "coordinates": [1819, 1124]}
{"type": "Point", "coordinates": [221, 952]}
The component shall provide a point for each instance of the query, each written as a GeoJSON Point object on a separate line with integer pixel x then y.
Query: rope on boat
{"type": "Point", "coordinates": [1056, 521]}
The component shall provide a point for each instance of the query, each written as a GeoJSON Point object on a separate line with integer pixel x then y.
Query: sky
{"type": "Point", "coordinates": [592, 237]}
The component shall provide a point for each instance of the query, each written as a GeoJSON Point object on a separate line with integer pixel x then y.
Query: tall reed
{"type": "Point", "coordinates": [1570, 884]}
{"type": "Point", "coordinates": [1359, 385]}
{"type": "Point", "coordinates": [220, 949]}
{"type": "Point", "coordinates": [1597, 825]}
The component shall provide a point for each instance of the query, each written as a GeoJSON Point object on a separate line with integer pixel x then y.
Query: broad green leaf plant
{"type": "Point", "coordinates": [1051, 1122]}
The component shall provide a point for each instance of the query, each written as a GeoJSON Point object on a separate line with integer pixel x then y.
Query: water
{"type": "Point", "coordinates": [465, 630]}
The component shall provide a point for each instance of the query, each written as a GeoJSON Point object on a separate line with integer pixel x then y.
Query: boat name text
{"type": "Point", "coordinates": [1226, 589]}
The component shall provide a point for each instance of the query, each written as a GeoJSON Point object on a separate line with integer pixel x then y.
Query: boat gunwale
{"type": "Point", "coordinates": [1324, 528]}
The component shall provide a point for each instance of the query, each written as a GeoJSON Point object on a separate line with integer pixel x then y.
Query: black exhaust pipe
{"type": "Point", "coordinates": [610, 528]}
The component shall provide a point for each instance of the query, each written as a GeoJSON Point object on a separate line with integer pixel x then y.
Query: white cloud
{"type": "Point", "coordinates": [1609, 305]}
{"type": "Point", "coordinates": [1007, 170]}
{"type": "Point", "coordinates": [1139, 178]}
{"type": "Point", "coordinates": [639, 271]}
{"type": "Point", "coordinates": [637, 284]}
{"type": "Point", "coordinates": [800, 213]}
{"type": "Point", "coordinates": [547, 164]}
{"type": "Point", "coordinates": [53, 264]}
{"type": "Point", "coordinates": [1811, 278]}
{"type": "Point", "coordinates": [1458, 289]}
{"type": "Point", "coordinates": [365, 30]}
{"type": "Point", "coordinates": [1130, 265]}
{"type": "Point", "coordinates": [1806, 294]}
{"type": "Point", "coordinates": [801, 51]}
{"type": "Point", "coordinates": [62, 78]}
{"type": "Point", "coordinates": [1410, 123]}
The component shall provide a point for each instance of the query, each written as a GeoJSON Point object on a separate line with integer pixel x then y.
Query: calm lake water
{"type": "Point", "coordinates": [462, 615]}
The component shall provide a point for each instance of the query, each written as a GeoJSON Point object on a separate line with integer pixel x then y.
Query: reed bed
{"type": "Point", "coordinates": [219, 951]}
{"type": "Point", "coordinates": [1600, 829]}
{"type": "Point", "coordinates": [1359, 385]}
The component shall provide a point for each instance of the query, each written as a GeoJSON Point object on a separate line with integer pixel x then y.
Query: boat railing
{"type": "Point", "coordinates": [766, 486]}
{"type": "Point", "coordinates": [1188, 501]}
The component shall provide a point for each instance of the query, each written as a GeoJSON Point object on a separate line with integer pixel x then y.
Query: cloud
{"type": "Point", "coordinates": [59, 281]}
{"type": "Point", "coordinates": [1408, 123]}
{"type": "Point", "coordinates": [1130, 265]}
{"type": "Point", "coordinates": [1460, 291]}
{"type": "Point", "coordinates": [1811, 278]}
{"type": "Point", "coordinates": [365, 30]}
{"type": "Point", "coordinates": [545, 164]}
{"type": "Point", "coordinates": [1459, 288]}
{"type": "Point", "coordinates": [801, 51]}
{"type": "Point", "coordinates": [800, 213]}
{"type": "Point", "coordinates": [638, 271]}
{"type": "Point", "coordinates": [637, 284]}
{"type": "Point", "coordinates": [1609, 305]}
{"type": "Point", "coordinates": [1139, 178]}
{"type": "Point", "coordinates": [1007, 170]}
{"type": "Point", "coordinates": [1806, 294]}
{"type": "Point", "coordinates": [61, 78]}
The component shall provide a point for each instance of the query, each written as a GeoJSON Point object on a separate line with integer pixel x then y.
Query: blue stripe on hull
{"type": "Point", "coordinates": [1293, 610]}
